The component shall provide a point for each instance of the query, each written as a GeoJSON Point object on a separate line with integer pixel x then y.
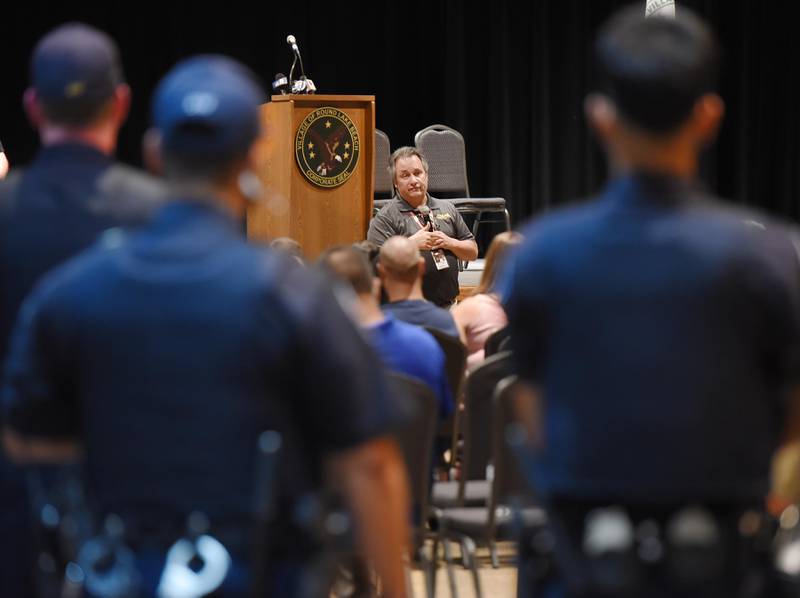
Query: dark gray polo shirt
{"type": "Point", "coordinates": [397, 218]}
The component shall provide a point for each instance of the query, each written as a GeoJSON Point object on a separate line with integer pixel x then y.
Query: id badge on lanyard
{"type": "Point", "coordinates": [439, 258]}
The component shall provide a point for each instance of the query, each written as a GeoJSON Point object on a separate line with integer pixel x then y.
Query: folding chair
{"type": "Point", "coordinates": [445, 151]}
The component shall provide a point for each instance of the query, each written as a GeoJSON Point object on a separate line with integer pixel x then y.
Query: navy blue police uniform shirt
{"type": "Point", "coordinates": [170, 350]}
{"type": "Point", "coordinates": [662, 330]}
{"type": "Point", "coordinates": [55, 208]}
{"type": "Point", "coordinates": [49, 211]}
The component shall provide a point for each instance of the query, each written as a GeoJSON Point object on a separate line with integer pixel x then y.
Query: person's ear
{"type": "Point", "coordinates": [376, 288]}
{"type": "Point", "coordinates": [601, 114]}
{"type": "Point", "coordinates": [33, 108]}
{"type": "Point", "coordinates": [707, 115]}
{"type": "Point", "coordinates": [121, 103]}
{"type": "Point", "coordinates": [421, 266]}
{"type": "Point", "coordinates": [152, 153]}
{"type": "Point", "coordinates": [381, 271]}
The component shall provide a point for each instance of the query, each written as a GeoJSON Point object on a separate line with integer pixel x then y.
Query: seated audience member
{"type": "Point", "coordinates": [402, 347]}
{"type": "Point", "coordinates": [288, 246]}
{"type": "Point", "coordinates": [401, 268]}
{"type": "Point", "coordinates": [371, 250]}
{"type": "Point", "coordinates": [481, 314]}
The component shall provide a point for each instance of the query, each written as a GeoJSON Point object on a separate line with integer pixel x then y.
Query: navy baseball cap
{"type": "Point", "coordinates": [208, 105]}
{"type": "Point", "coordinates": [75, 64]}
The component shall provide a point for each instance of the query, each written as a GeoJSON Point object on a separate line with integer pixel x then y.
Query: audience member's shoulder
{"type": "Point", "coordinates": [419, 338]}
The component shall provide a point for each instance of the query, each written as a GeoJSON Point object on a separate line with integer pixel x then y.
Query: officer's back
{"type": "Point", "coordinates": [660, 327]}
{"type": "Point", "coordinates": [56, 207]}
{"type": "Point", "coordinates": [73, 190]}
{"type": "Point", "coordinates": [167, 352]}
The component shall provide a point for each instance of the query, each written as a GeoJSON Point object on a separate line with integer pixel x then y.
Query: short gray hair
{"type": "Point", "coordinates": [406, 152]}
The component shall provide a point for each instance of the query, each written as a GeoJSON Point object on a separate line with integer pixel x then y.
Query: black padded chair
{"type": "Point", "coordinates": [445, 151]}
{"type": "Point", "coordinates": [496, 521]}
{"type": "Point", "coordinates": [472, 489]}
{"type": "Point", "coordinates": [415, 437]}
{"type": "Point", "coordinates": [455, 355]}
{"type": "Point", "coordinates": [384, 189]}
{"type": "Point", "coordinates": [495, 341]}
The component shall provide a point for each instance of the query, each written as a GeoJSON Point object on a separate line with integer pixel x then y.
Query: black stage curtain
{"type": "Point", "coordinates": [510, 76]}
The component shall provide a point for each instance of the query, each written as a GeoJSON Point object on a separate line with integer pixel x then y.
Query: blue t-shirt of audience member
{"type": "Point", "coordinates": [408, 349]}
{"type": "Point", "coordinates": [423, 313]}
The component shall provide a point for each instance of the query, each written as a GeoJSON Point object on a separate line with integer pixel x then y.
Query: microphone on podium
{"type": "Point", "coordinates": [303, 84]}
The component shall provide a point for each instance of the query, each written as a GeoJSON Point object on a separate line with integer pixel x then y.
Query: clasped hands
{"type": "Point", "coordinates": [428, 239]}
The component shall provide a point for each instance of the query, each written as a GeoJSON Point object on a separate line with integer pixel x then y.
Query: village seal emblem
{"type": "Point", "coordinates": [327, 147]}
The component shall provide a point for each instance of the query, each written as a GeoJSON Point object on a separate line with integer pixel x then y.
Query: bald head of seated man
{"type": "Point", "coordinates": [401, 267]}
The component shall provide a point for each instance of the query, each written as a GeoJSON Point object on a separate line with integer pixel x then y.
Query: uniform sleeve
{"type": "Point", "coordinates": [462, 232]}
{"type": "Point", "coordinates": [381, 228]}
{"type": "Point", "coordinates": [523, 289]}
{"type": "Point", "coordinates": [786, 306]}
{"type": "Point", "coordinates": [344, 396]}
{"type": "Point", "coordinates": [38, 397]}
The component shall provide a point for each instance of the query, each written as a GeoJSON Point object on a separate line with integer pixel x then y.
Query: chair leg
{"type": "Point", "coordinates": [468, 546]}
{"type": "Point", "coordinates": [493, 554]}
{"type": "Point", "coordinates": [451, 577]}
{"type": "Point", "coordinates": [476, 224]}
{"type": "Point", "coordinates": [433, 569]}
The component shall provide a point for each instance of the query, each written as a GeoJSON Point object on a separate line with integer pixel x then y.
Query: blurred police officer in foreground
{"type": "Point", "coordinates": [660, 328]}
{"type": "Point", "coordinates": [57, 206]}
{"type": "Point", "coordinates": [164, 355]}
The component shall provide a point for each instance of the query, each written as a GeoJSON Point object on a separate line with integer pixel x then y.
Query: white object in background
{"type": "Point", "coordinates": [659, 8]}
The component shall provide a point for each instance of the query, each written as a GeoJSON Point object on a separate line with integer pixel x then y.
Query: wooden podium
{"type": "Point", "coordinates": [315, 216]}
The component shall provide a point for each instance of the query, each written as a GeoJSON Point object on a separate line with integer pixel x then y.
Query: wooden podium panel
{"type": "Point", "coordinates": [314, 216]}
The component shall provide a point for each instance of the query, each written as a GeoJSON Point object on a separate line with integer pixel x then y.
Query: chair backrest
{"type": "Point", "coordinates": [455, 355]}
{"type": "Point", "coordinates": [509, 485]}
{"type": "Point", "coordinates": [507, 478]}
{"type": "Point", "coordinates": [416, 435]}
{"type": "Point", "coordinates": [383, 181]}
{"type": "Point", "coordinates": [477, 430]}
{"type": "Point", "coordinates": [444, 149]}
{"type": "Point", "coordinates": [494, 341]}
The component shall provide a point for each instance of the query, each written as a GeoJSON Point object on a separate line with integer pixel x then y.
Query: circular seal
{"type": "Point", "coordinates": [327, 147]}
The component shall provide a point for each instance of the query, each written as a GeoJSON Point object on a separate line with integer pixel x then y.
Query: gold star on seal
{"type": "Point", "coordinates": [346, 155]}
{"type": "Point", "coordinates": [312, 155]}
{"type": "Point", "coordinates": [310, 145]}
{"type": "Point", "coordinates": [346, 146]}
{"type": "Point", "coordinates": [327, 124]}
